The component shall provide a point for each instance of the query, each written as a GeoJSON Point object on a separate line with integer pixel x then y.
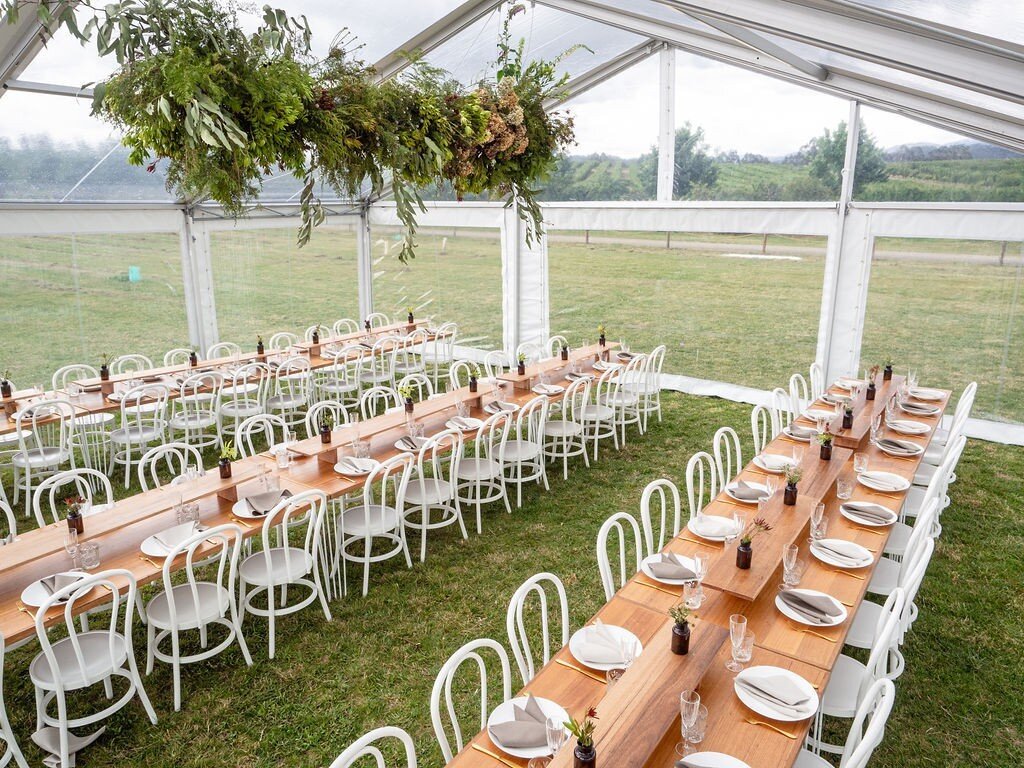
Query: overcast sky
{"type": "Point", "coordinates": [737, 109]}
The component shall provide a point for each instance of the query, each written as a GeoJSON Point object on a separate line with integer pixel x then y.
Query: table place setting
{"type": "Point", "coordinates": [548, 389]}
{"type": "Point", "coordinates": [714, 527]}
{"type": "Point", "coordinates": [810, 607]}
{"type": "Point", "coordinates": [411, 443]}
{"type": "Point", "coordinates": [918, 409]}
{"type": "Point", "coordinates": [258, 505]}
{"type": "Point", "coordinates": [905, 427]}
{"type": "Point", "coordinates": [834, 400]}
{"type": "Point", "coordinates": [750, 492]}
{"type": "Point", "coordinates": [841, 553]}
{"type": "Point", "coordinates": [519, 726]}
{"type": "Point", "coordinates": [800, 433]}
{"type": "Point", "coordinates": [926, 393]}
{"type": "Point", "coordinates": [901, 449]}
{"type": "Point", "coordinates": [499, 406]}
{"type": "Point", "coordinates": [775, 463]}
{"type": "Point", "coordinates": [463, 423]}
{"type": "Point", "coordinates": [352, 466]}
{"type": "Point", "coordinates": [576, 376]}
{"type": "Point", "coordinates": [868, 513]}
{"type": "Point", "coordinates": [605, 647]}
{"type": "Point", "coordinates": [886, 482]}
{"type": "Point", "coordinates": [669, 568]}
{"type": "Point", "coordinates": [847, 383]}
{"type": "Point", "coordinates": [38, 592]}
{"type": "Point", "coordinates": [815, 414]}
{"type": "Point", "coordinates": [776, 693]}
{"type": "Point", "coordinates": [160, 544]}
{"type": "Point", "coordinates": [710, 760]}
{"type": "Point", "coordinates": [604, 365]}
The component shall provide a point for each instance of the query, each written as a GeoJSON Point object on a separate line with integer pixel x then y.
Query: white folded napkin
{"type": "Point", "coordinates": [600, 646]}
{"type": "Point", "coordinates": [837, 549]}
{"type": "Point", "coordinates": [714, 525]}
{"type": "Point", "coordinates": [774, 461]}
{"type": "Point", "coordinates": [816, 608]}
{"type": "Point", "coordinates": [528, 728]}
{"type": "Point", "coordinates": [743, 490]}
{"type": "Point", "coordinates": [57, 582]}
{"type": "Point", "coordinates": [461, 423]}
{"type": "Point", "coordinates": [870, 513]}
{"type": "Point", "coordinates": [172, 537]}
{"type": "Point", "coordinates": [262, 503]}
{"type": "Point", "coordinates": [883, 482]}
{"type": "Point", "coordinates": [801, 431]}
{"type": "Point", "coordinates": [777, 690]}
{"type": "Point", "coordinates": [671, 567]}
{"type": "Point", "coordinates": [902, 447]}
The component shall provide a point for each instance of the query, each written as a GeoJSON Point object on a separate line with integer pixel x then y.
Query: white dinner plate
{"type": "Point", "coordinates": [913, 449]}
{"type": "Point", "coordinates": [714, 760]}
{"type": "Point", "coordinates": [924, 393]}
{"type": "Point", "coordinates": [866, 558]}
{"type": "Point", "coordinates": [355, 467]}
{"type": "Point", "coordinates": [774, 459]}
{"type": "Point", "coordinates": [853, 517]}
{"type": "Point", "coordinates": [601, 365]}
{"type": "Point", "coordinates": [905, 427]}
{"type": "Point", "coordinates": [548, 389]}
{"type": "Point", "coordinates": [847, 384]}
{"type": "Point", "coordinates": [153, 548]}
{"type": "Point", "coordinates": [619, 633]}
{"type": "Point", "coordinates": [646, 570]}
{"type": "Point", "coordinates": [767, 710]}
{"type": "Point", "coordinates": [831, 399]}
{"type": "Point", "coordinates": [241, 509]}
{"type": "Point", "coordinates": [697, 524]}
{"type": "Point", "coordinates": [469, 424]}
{"type": "Point", "coordinates": [789, 613]}
{"type": "Point", "coordinates": [819, 413]}
{"type": "Point", "coordinates": [920, 409]}
{"type": "Point", "coordinates": [505, 713]}
{"type": "Point", "coordinates": [501, 405]}
{"type": "Point", "coordinates": [35, 594]}
{"type": "Point", "coordinates": [756, 486]}
{"type": "Point", "coordinates": [409, 443]}
{"type": "Point", "coordinates": [886, 482]}
{"type": "Point", "coordinates": [788, 432]}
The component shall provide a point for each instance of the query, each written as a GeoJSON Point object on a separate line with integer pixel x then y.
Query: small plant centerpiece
{"type": "Point", "coordinates": [326, 425]}
{"type": "Point", "coordinates": [825, 441]}
{"type": "Point", "coordinates": [474, 377]}
{"type": "Point", "coordinates": [848, 415]}
{"type": "Point", "coordinates": [316, 334]}
{"type": "Point", "coordinates": [872, 376]}
{"type": "Point", "coordinates": [6, 388]}
{"type": "Point", "coordinates": [75, 506]}
{"type": "Point", "coordinates": [585, 754]}
{"type": "Point", "coordinates": [521, 369]}
{"type": "Point", "coordinates": [260, 347]}
{"type": "Point", "coordinates": [410, 319]}
{"type": "Point", "coordinates": [601, 338]}
{"type": "Point", "coordinates": [792, 473]}
{"type": "Point", "coordinates": [366, 325]}
{"type": "Point", "coordinates": [680, 629]}
{"type": "Point", "coordinates": [887, 371]}
{"type": "Point", "coordinates": [405, 393]}
{"type": "Point", "coordinates": [104, 367]}
{"type": "Point", "coordinates": [193, 358]}
{"type": "Point", "coordinates": [565, 351]}
{"type": "Point", "coordinates": [228, 453]}
{"type": "Point", "coordinates": [745, 551]}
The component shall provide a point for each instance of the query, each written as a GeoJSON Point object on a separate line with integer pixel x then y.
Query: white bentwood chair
{"type": "Point", "coordinates": [566, 437]}
{"type": "Point", "coordinates": [178, 458]}
{"type": "Point", "coordinates": [701, 481]}
{"type": "Point", "coordinates": [89, 484]}
{"type": "Point", "coordinates": [480, 473]}
{"type": "Point", "coordinates": [244, 396]}
{"type": "Point", "coordinates": [728, 455]}
{"type": "Point", "coordinates": [194, 410]}
{"type": "Point", "coordinates": [365, 746]}
{"type": "Point", "coordinates": [143, 422]}
{"type": "Point", "coordinates": [663, 493]}
{"type": "Point", "coordinates": [523, 455]}
{"type": "Point", "coordinates": [433, 488]}
{"type": "Point", "coordinates": [620, 524]}
{"type": "Point", "coordinates": [13, 751]}
{"type": "Point", "coordinates": [45, 433]}
{"type": "Point", "coordinates": [761, 427]}
{"type": "Point", "coordinates": [866, 733]}
{"type": "Point", "coordinates": [515, 624]}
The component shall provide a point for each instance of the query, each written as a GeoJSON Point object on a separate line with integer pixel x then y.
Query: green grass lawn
{"type": "Point", "coordinates": [961, 701]}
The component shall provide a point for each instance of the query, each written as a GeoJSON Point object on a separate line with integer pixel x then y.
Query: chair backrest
{"type": "Point", "coordinates": [664, 493]}
{"type": "Point", "coordinates": [45, 425]}
{"type": "Point", "coordinates": [966, 401]}
{"type": "Point", "coordinates": [119, 598]}
{"type": "Point", "coordinates": [443, 684]}
{"type": "Point", "coordinates": [817, 374]}
{"type": "Point", "coordinates": [8, 533]}
{"type": "Point", "coordinates": [177, 456]}
{"type": "Point", "coordinates": [318, 328]}
{"type": "Point", "coordinates": [515, 624]}
{"type": "Point", "coordinates": [310, 506]}
{"type": "Point", "coordinates": [782, 414]}
{"type": "Point", "coordinates": [877, 666]}
{"type": "Point", "coordinates": [869, 723]}
{"type": "Point", "coordinates": [380, 360]}
{"type": "Point", "coordinates": [459, 373]}
{"type": "Point", "coordinates": [364, 746]}
{"type": "Point", "coordinates": [130, 364]}
{"type": "Point", "coordinates": [198, 399]}
{"type": "Point", "coordinates": [438, 459]}
{"type": "Point", "coordinates": [384, 486]}
{"type": "Point", "coordinates": [13, 751]}
{"type": "Point", "coordinates": [345, 326]}
{"type": "Point", "coordinates": [530, 420]}
{"type": "Point", "coordinates": [378, 319]}
{"type": "Point", "coordinates": [618, 524]}
{"type": "Point", "coordinates": [495, 363]}
{"type": "Point", "coordinates": [378, 400]}
{"type": "Point", "coordinates": [701, 481]}
{"type": "Point", "coordinates": [283, 340]}
{"type": "Point", "coordinates": [924, 529]}
{"type": "Point", "coordinates": [761, 424]}
{"type": "Point", "coordinates": [629, 376]}
{"type": "Point", "coordinates": [441, 349]}
{"type": "Point", "coordinates": [555, 344]}
{"type": "Point", "coordinates": [652, 370]}
{"type": "Point", "coordinates": [74, 372]}
{"type": "Point", "coordinates": [491, 437]}
{"type": "Point", "coordinates": [799, 394]}
{"type": "Point", "coordinates": [49, 495]}
{"type": "Point", "coordinates": [223, 349]}
{"type": "Point", "coordinates": [532, 351]}
{"type": "Point", "coordinates": [260, 425]}
{"type": "Point", "coordinates": [419, 384]}
{"type": "Point", "coordinates": [248, 386]}
{"type": "Point", "coordinates": [214, 550]}
{"type": "Point", "coordinates": [293, 379]}
{"type": "Point", "coordinates": [911, 583]}
{"type": "Point", "coordinates": [318, 411]}
{"type": "Point", "coordinates": [575, 399]}
{"type": "Point", "coordinates": [144, 408]}
{"type": "Point", "coordinates": [177, 356]}
{"type": "Point", "coordinates": [728, 454]}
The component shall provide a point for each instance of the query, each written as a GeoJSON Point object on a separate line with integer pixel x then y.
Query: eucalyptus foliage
{"type": "Point", "coordinates": [226, 109]}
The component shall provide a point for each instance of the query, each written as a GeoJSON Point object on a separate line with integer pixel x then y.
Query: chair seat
{"type": "Point", "coordinates": [597, 413]}
{"type": "Point", "coordinates": [862, 628]}
{"type": "Point", "coordinates": [840, 697]}
{"type": "Point", "coordinates": [478, 469]}
{"type": "Point", "coordinates": [100, 654]}
{"type": "Point", "coordinates": [48, 456]}
{"type": "Point", "coordinates": [913, 500]}
{"type": "Point", "coordinates": [643, 388]}
{"type": "Point", "coordinates": [237, 390]}
{"type": "Point", "coordinates": [374, 378]}
{"type": "Point", "coordinates": [287, 564]}
{"type": "Point", "coordinates": [899, 537]}
{"type": "Point", "coordinates": [12, 437]}
{"type": "Point", "coordinates": [412, 367]}
{"type": "Point", "coordinates": [940, 436]}
{"type": "Point", "coordinates": [434, 358]}
{"type": "Point", "coordinates": [430, 492]}
{"type": "Point", "coordinates": [562, 429]}
{"type": "Point", "coordinates": [620, 399]}
{"type": "Point", "coordinates": [374, 520]}
{"type": "Point", "coordinates": [240, 408]}
{"type": "Point", "coordinates": [807, 759]}
{"type": "Point", "coordinates": [521, 450]}
{"type": "Point", "coordinates": [192, 420]}
{"type": "Point", "coordinates": [334, 384]}
{"type": "Point", "coordinates": [94, 419]}
{"type": "Point", "coordinates": [933, 455]}
{"type": "Point", "coordinates": [212, 604]}
{"type": "Point", "coordinates": [135, 435]}
{"type": "Point", "coordinates": [286, 402]}
{"type": "Point", "coordinates": [885, 578]}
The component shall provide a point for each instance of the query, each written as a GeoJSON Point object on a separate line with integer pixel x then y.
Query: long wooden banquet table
{"type": "Point", "coordinates": [96, 397]}
{"type": "Point", "coordinates": [121, 530]}
{"type": "Point", "coordinates": [639, 723]}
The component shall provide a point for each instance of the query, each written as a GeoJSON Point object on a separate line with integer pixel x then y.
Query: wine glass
{"type": "Point", "coordinates": [689, 708]}
{"type": "Point", "coordinates": [554, 731]}
{"type": "Point", "coordinates": [701, 562]}
{"type": "Point", "coordinates": [771, 485]}
{"type": "Point", "coordinates": [817, 513]}
{"type": "Point", "coordinates": [737, 631]}
{"type": "Point", "coordinates": [789, 558]}
{"type": "Point", "coordinates": [71, 544]}
{"type": "Point", "coordinates": [798, 454]}
{"type": "Point", "coordinates": [739, 520]}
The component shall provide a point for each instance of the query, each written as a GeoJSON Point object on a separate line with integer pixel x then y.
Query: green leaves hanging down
{"type": "Point", "coordinates": [226, 108]}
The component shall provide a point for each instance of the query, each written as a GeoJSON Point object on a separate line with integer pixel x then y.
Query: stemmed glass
{"type": "Point", "coordinates": [771, 485]}
{"type": "Point", "coordinates": [700, 571]}
{"type": "Point", "coordinates": [71, 545]}
{"type": "Point", "coordinates": [860, 463]}
{"type": "Point", "coordinates": [554, 730]}
{"type": "Point", "coordinates": [739, 521]}
{"type": "Point", "coordinates": [817, 513]}
{"type": "Point", "coordinates": [689, 708]}
{"type": "Point", "coordinates": [790, 553]}
{"type": "Point", "coordinates": [737, 631]}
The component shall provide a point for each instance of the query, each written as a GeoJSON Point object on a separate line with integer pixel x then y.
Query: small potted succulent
{"type": "Point", "coordinates": [193, 358]}
{"type": "Point", "coordinates": [6, 388]}
{"type": "Point", "coordinates": [887, 371]}
{"type": "Point", "coordinates": [745, 551]}
{"type": "Point", "coordinates": [872, 376]}
{"type": "Point", "coordinates": [848, 416]}
{"type": "Point", "coordinates": [316, 334]}
{"type": "Point", "coordinates": [228, 453]}
{"type": "Point", "coordinates": [474, 376]}
{"type": "Point", "coordinates": [75, 505]}
{"type": "Point", "coordinates": [680, 629]}
{"type": "Point", "coordinates": [521, 369]}
{"type": "Point", "coordinates": [585, 754]}
{"type": "Point", "coordinates": [410, 319]}
{"type": "Point", "coordinates": [104, 367]}
{"type": "Point", "coordinates": [405, 393]}
{"type": "Point", "coordinates": [601, 338]}
{"type": "Point", "coordinates": [565, 351]}
{"type": "Point", "coordinates": [326, 425]}
{"type": "Point", "coordinates": [825, 441]}
{"type": "Point", "coordinates": [792, 473]}
{"type": "Point", "coordinates": [366, 325]}
{"type": "Point", "coordinates": [260, 347]}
